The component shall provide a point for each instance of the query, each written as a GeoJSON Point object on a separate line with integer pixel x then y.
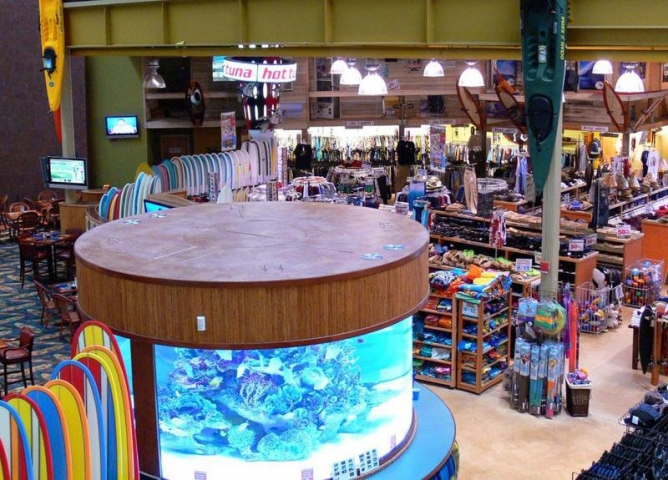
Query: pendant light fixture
{"type": "Point", "coordinates": [629, 81]}
{"type": "Point", "coordinates": [471, 77]}
{"type": "Point", "coordinates": [351, 76]}
{"type": "Point", "coordinates": [372, 84]}
{"type": "Point", "coordinates": [602, 67]}
{"type": "Point", "coordinates": [433, 69]}
{"type": "Point", "coordinates": [338, 66]}
{"type": "Point", "coordinates": [153, 79]}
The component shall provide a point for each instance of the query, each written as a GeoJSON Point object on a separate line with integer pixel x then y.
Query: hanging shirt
{"type": "Point", "coordinates": [583, 158]}
{"type": "Point", "coordinates": [653, 162]}
{"type": "Point", "coordinates": [520, 174]}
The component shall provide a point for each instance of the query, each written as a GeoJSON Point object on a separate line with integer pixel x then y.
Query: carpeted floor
{"type": "Point", "coordinates": [21, 307]}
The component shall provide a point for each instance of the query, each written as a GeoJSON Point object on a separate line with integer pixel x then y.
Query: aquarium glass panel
{"type": "Point", "coordinates": [283, 413]}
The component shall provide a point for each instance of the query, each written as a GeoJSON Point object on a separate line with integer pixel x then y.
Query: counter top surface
{"type": "Point", "coordinates": [252, 243]}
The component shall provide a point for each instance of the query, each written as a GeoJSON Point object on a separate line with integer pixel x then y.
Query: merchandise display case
{"type": "Point", "coordinates": [434, 331]}
{"type": "Point", "coordinates": [483, 342]}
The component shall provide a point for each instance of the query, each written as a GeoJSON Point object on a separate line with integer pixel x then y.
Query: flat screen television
{"type": "Point", "coordinates": [122, 126]}
{"type": "Point", "coordinates": [152, 206]}
{"type": "Point", "coordinates": [65, 172]}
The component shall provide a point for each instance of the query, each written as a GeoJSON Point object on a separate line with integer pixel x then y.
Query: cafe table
{"type": "Point", "coordinates": [49, 240]}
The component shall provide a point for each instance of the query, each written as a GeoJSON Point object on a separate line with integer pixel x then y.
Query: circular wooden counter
{"type": "Point", "coordinates": [275, 273]}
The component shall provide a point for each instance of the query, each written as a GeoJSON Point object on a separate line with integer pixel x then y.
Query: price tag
{"type": "Point", "coordinates": [576, 245]}
{"type": "Point", "coordinates": [567, 198]}
{"type": "Point", "coordinates": [537, 257]}
{"type": "Point", "coordinates": [623, 230]}
{"type": "Point", "coordinates": [591, 239]}
{"type": "Point", "coordinates": [422, 172]}
{"type": "Point", "coordinates": [469, 309]}
{"type": "Point", "coordinates": [200, 475]}
{"type": "Point", "coordinates": [523, 264]}
{"type": "Point", "coordinates": [619, 292]}
{"type": "Point", "coordinates": [648, 208]}
{"type": "Point", "coordinates": [366, 165]}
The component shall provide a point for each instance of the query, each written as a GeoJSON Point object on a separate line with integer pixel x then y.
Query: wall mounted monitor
{"type": "Point", "coordinates": [65, 172]}
{"type": "Point", "coordinates": [122, 126]}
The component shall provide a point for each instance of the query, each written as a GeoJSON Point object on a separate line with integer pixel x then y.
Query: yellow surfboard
{"type": "Point", "coordinates": [37, 435]}
{"type": "Point", "coordinates": [52, 30]}
{"type": "Point", "coordinates": [120, 466]}
{"type": "Point", "coordinates": [77, 426]}
{"type": "Point", "coordinates": [118, 377]}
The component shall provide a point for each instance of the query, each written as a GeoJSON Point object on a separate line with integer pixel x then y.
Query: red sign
{"type": "Point", "coordinates": [260, 72]}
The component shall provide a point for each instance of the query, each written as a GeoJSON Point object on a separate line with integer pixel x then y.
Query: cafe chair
{"type": "Point", "coordinates": [54, 214]}
{"type": "Point", "coordinates": [65, 252]}
{"type": "Point", "coordinates": [29, 201]}
{"type": "Point", "coordinates": [18, 207]}
{"type": "Point", "coordinates": [5, 228]}
{"type": "Point", "coordinates": [17, 352]}
{"type": "Point", "coordinates": [46, 196]}
{"type": "Point", "coordinates": [69, 313]}
{"type": "Point", "coordinates": [28, 222]}
{"type": "Point", "coordinates": [49, 307]}
{"type": "Point", "coordinates": [33, 256]}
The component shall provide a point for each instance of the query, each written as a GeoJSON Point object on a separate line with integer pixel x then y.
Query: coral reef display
{"type": "Point", "coordinates": [273, 404]}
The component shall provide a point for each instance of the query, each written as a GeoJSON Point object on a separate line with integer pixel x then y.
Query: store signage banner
{"type": "Point", "coordinates": [437, 146]}
{"type": "Point", "coordinates": [594, 128]}
{"type": "Point", "coordinates": [260, 72]}
{"type": "Point", "coordinates": [228, 131]}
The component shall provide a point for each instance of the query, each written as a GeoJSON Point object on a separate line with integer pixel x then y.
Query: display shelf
{"type": "Point", "coordinates": [574, 270]}
{"type": "Point", "coordinates": [474, 378]}
{"type": "Point", "coordinates": [424, 364]}
{"type": "Point", "coordinates": [653, 245]}
{"type": "Point", "coordinates": [439, 329]}
{"type": "Point", "coordinates": [434, 360]}
{"type": "Point", "coordinates": [437, 381]}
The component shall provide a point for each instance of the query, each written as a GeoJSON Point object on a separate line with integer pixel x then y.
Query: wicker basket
{"type": "Point", "coordinates": [577, 399]}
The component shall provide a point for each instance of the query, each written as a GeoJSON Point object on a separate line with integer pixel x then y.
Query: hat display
{"type": "Point", "coordinates": [433, 183]}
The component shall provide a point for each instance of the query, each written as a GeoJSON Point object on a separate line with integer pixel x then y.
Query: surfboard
{"type": "Point", "coordinates": [37, 435]}
{"type": "Point", "coordinates": [80, 377]}
{"type": "Point", "coordinates": [118, 436]}
{"type": "Point", "coordinates": [77, 426]}
{"type": "Point", "coordinates": [615, 107]}
{"type": "Point", "coordinates": [471, 106]}
{"type": "Point", "coordinates": [120, 377]}
{"type": "Point", "coordinates": [543, 30]}
{"type": "Point", "coordinates": [4, 464]}
{"type": "Point", "coordinates": [14, 438]}
{"type": "Point", "coordinates": [512, 107]}
{"type": "Point", "coordinates": [93, 334]}
{"type": "Point", "coordinates": [648, 111]}
{"type": "Point", "coordinates": [56, 424]}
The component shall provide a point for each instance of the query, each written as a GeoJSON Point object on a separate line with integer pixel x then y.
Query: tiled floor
{"type": "Point", "coordinates": [497, 442]}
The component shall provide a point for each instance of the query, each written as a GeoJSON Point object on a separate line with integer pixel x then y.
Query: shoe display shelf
{"type": "Point", "coordinates": [624, 207]}
{"type": "Point", "coordinates": [434, 338]}
{"type": "Point", "coordinates": [575, 268]}
{"type": "Point", "coordinates": [483, 351]}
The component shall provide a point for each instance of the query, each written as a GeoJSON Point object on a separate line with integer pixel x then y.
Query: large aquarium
{"type": "Point", "coordinates": [284, 413]}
